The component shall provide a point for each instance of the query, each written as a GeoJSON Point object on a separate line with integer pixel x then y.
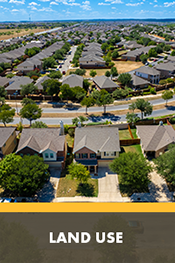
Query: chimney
{"type": "Point", "coordinates": [61, 128]}
{"type": "Point", "coordinates": [79, 124]}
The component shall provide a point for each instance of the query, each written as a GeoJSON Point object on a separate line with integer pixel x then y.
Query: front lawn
{"type": "Point", "coordinates": [134, 133]}
{"type": "Point", "coordinates": [132, 148]}
{"type": "Point", "coordinates": [69, 187]}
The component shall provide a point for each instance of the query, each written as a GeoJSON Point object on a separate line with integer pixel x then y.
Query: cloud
{"type": "Point", "coordinates": [34, 3]}
{"type": "Point", "coordinates": [113, 7]}
{"type": "Point", "coordinates": [114, 1]}
{"type": "Point", "coordinates": [33, 7]}
{"type": "Point", "coordinates": [14, 10]}
{"type": "Point", "coordinates": [155, 5]}
{"type": "Point", "coordinates": [17, 2]}
{"type": "Point", "coordinates": [3, 0]}
{"type": "Point", "coordinates": [53, 3]}
{"type": "Point", "coordinates": [167, 4]}
{"type": "Point", "coordinates": [46, 9]}
{"type": "Point", "coordinates": [134, 4]}
{"type": "Point", "coordinates": [103, 4]}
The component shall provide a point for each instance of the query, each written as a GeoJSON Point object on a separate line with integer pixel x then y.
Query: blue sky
{"type": "Point", "coordinates": [16, 10]}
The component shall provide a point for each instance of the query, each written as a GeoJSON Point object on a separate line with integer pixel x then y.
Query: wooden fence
{"type": "Point", "coordinates": [129, 142]}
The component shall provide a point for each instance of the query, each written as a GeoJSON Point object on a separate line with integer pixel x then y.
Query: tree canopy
{"type": "Point", "coordinates": [28, 89]}
{"type": "Point", "coordinates": [31, 111]}
{"type": "Point", "coordinates": [6, 114]}
{"type": "Point", "coordinates": [39, 124]}
{"type": "Point", "coordinates": [79, 172]}
{"type": "Point", "coordinates": [125, 79]}
{"type": "Point", "coordinates": [144, 106]}
{"type": "Point", "coordinates": [51, 86]}
{"type": "Point", "coordinates": [102, 98]}
{"type": "Point", "coordinates": [55, 74]}
{"type": "Point", "coordinates": [133, 170]}
{"type": "Point", "coordinates": [93, 73]}
{"type": "Point", "coordinates": [88, 102]}
{"type": "Point", "coordinates": [23, 176]}
{"type": "Point", "coordinates": [167, 95]}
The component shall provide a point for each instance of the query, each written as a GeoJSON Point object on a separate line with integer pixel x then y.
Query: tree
{"type": "Point", "coordinates": [51, 86]}
{"type": "Point", "coordinates": [78, 71]}
{"type": "Point", "coordinates": [23, 176]}
{"type": "Point", "coordinates": [86, 84]}
{"type": "Point", "coordinates": [66, 92]}
{"type": "Point", "coordinates": [133, 170]}
{"type": "Point", "coordinates": [31, 111]}
{"type": "Point", "coordinates": [49, 63]}
{"type": "Point", "coordinates": [79, 172]}
{"type": "Point", "coordinates": [6, 114]}
{"type": "Point", "coordinates": [125, 79]}
{"type": "Point", "coordinates": [167, 95]}
{"type": "Point", "coordinates": [173, 53]}
{"type": "Point", "coordinates": [38, 124]}
{"type": "Point", "coordinates": [102, 98]}
{"type": "Point", "coordinates": [55, 75]}
{"type": "Point", "coordinates": [132, 117]}
{"type": "Point", "coordinates": [88, 102]}
{"type": "Point", "coordinates": [28, 89]}
{"type": "Point", "coordinates": [119, 93]}
{"type": "Point", "coordinates": [80, 119]}
{"type": "Point", "coordinates": [107, 73]}
{"type": "Point", "coordinates": [115, 54]}
{"type": "Point", "coordinates": [167, 48]}
{"type": "Point", "coordinates": [143, 58]}
{"type": "Point", "coordinates": [165, 165]}
{"type": "Point", "coordinates": [78, 93]}
{"type": "Point", "coordinates": [93, 73]}
{"type": "Point", "coordinates": [104, 47]}
{"type": "Point", "coordinates": [114, 72]}
{"type": "Point", "coordinates": [2, 94]}
{"type": "Point", "coordinates": [152, 53]}
{"type": "Point", "coordinates": [26, 101]}
{"type": "Point", "coordinates": [144, 106]}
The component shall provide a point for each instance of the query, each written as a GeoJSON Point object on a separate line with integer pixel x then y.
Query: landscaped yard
{"type": "Point", "coordinates": [134, 133]}
{"type": "Point", "coordinates": [69, 187]}
{"type": "Point", "coordinates": [69, 140]}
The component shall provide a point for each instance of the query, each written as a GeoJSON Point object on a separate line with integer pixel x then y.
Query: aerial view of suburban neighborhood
{"type": "Point", "coordinates": [87, 111]}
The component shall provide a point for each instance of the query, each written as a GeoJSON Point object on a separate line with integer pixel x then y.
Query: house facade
{"type": "Point", "coordinates": [47, 143]}
{"type": "Point", "coordinates": [148, 73]}
{"type": "Point", "coordinates": [96, 147]}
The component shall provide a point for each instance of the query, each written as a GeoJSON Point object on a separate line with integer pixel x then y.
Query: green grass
{"type": "Point", "coordinates": [132, 148]}
{"type": "Point", "coordinates": [69, 140]}
{"type": "Point", "coordinates": [134, 133]}
{"type": "Point", "coordinates": [124, 134]}
{"type": "Point", "coordinates": [69, 187]}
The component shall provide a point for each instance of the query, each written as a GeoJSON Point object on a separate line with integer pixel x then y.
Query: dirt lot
{"type": "Point", "coordinates": [21, 33]}
{"type": "Point", "coordinates": [125, 66]}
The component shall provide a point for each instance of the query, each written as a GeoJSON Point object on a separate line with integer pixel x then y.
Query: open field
{"type": "Point", "coordinates": [125, 66]}
{"type": "Point", "coordinates": [21, 33]}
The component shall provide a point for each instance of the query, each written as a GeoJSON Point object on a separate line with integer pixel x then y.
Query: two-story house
{"type": "Point", "coordinates": [49, 143]}
{"type": "Point", "coordinates": [96, 146]}
{"type": "Point", "coordinates": [148, 73]}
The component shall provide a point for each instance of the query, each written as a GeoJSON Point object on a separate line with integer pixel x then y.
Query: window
{"type": "Point", "coordinates": [113, 153]}
{"type": "Point", "coordinates": [92, 155]}
{"type": "Point", "coordinates": [106, 154]}
{"type": "Point", "coordinates": [84, 155]}
{"type": "Point", "coordinates": [46, 155]}
{"type": "Point", "coordinates": [4, 145]}
{"type": "Point", "coordinates": [51, 155]}
{"type": "Point", "coordinates": [77, 155]}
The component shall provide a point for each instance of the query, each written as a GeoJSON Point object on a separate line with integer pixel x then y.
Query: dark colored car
{"type": "Point", "coordinates": [60, 66]}
{"type": "Point", "coordinates": [63, 72]}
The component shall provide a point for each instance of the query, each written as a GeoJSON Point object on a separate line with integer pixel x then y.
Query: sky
{"type": "Point", "coordinates": [19, 10]}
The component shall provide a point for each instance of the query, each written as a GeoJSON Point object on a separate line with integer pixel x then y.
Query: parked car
{"type": "Point", "coordinates": [147, 63]}
{"type": "Point", "coordinates": [63, 72]}
{"type": "Point", "coordinates": [60, 66]}
{"type": "Point", "coordinates": [155, 60]}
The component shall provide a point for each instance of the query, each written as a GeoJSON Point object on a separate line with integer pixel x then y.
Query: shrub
{"type": "Point", "coordinates": [152, 91]}
{"type": "Point", "coordinates": [71, 132]}
{"type": "Point", "coordinates": [130, 95]}
{"type": "Point", "coordinates": [172, 120]}
{"type": "Point", "coordinates": [146, 93]}
{"type": "Point", "coordinates": [66, 128]}
{"type": "Point", "coordinates": [162, 82]}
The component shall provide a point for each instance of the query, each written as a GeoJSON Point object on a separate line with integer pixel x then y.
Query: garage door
{"type": "Point", "coordinates": [103, 164]}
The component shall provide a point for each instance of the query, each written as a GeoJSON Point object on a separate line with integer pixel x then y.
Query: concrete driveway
{"type": "Point", "coordinates": [47, 194]}
{"type": "Point", "coordinates": [108, 186]}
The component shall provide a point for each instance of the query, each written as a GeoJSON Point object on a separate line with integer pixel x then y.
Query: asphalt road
{"type": "Point", "coordinates": [69, 58]}
{"type": "Point", "coordinates": [113, 118]}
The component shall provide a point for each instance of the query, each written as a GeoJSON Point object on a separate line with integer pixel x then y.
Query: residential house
{"type": "Point", "coordinates": [103, 82]}
{"type": "Point", "coordinates": [4, 82]}
{"type": "Point", "coordinates": [96, 146]}
{"type": "Point", "coordinates": [29, 65]}
{"type": "Point", "coordinates": [15, 84]}
{"type": "Point", "coordinates": [167, 69]}
{"type": "Point", "coordinates": [40, 81]}
{"type": "Point", "coordinates": [47, 143]}
{"type": "Point", "coordinates": [73, 80]}
{"type": "Point", "coordinates": [139, 83]}
{"type": "Point", "coordinates": [148, 73]}
{"type": "Point", "coordinates": [134, 55]}
{"type": "Point", "coordinates": [155, 139]}
{"type": "Point", "coordinates": [8, 141]}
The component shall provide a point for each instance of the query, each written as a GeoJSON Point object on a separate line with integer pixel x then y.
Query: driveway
{"type": "Point", "coordinates": [47, 194]}
{"type": "Point", "coordinates": [108, 186]}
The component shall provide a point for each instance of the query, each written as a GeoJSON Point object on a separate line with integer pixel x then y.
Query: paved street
{"type": "Point", "coordinates": [69, 58]}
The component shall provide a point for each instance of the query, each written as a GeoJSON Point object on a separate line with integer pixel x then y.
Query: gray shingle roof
{"type": "Point", "coordinates": [73, 80]}
{"type": "Point", "coordinates": [148, 70]}
{"type": "Point", "coordinates": [40, 81]}
{"type": "Point", "coordinates": [103, 139]}
{"type": "Point", "coordinates": [17, 82]}
{"type": "Point", "coordinates": [137, 81]}
{"type": "Point", "coordinates": [154, 138]}
{"type": "Point", "coordinates": [104, 82]}
{"type": "Point", "coordinates": [5, 133]}
{"type": "Point", "coordinates": [42, 139]}
{"type": "Point", "coordinates": [4, 81]}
